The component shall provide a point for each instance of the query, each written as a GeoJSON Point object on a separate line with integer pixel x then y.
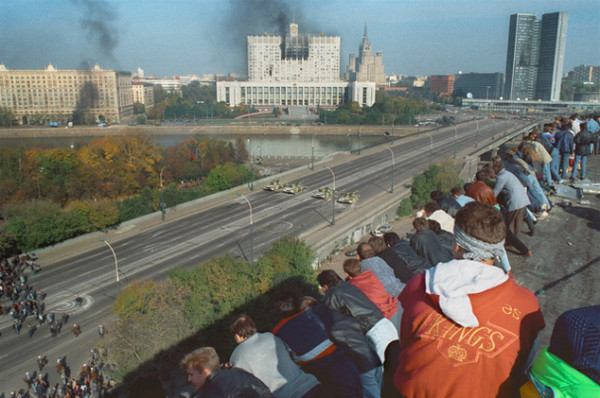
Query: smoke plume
{"type": "Point", "coordinates": [97, 21]}
{"type": "Point", "coordinates": [253, 17]}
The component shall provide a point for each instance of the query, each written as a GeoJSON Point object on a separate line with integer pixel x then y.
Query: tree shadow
{"type": "Point", "coordinates": [166, 363]}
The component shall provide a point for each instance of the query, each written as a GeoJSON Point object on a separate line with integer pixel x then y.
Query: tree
{"type": "Point", "coordinates": [152, 317]}
{"type": "Point", "coordinates": [7, 118]}
{"type": "Point", "coordinates": [241, 153]}
{"type": "Point", "coordinates": [159, 93]}
{"type": "Point", "coordinates": [138, 108]}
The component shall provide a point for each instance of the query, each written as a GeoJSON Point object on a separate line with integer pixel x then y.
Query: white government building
{"type": "Point", "coordinates": [295, 70]}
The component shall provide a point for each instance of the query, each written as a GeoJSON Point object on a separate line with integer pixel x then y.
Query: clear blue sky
{"type": "Point", "coordinates": [176, 37]}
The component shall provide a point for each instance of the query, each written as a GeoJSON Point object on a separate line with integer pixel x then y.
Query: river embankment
{"type": "Point", "coordinates": [225, 129]}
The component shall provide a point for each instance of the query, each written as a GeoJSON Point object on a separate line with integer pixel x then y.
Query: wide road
{"type": "Point", "coordinates": [189, 241]}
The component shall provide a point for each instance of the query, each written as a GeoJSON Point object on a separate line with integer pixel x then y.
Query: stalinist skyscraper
{"type": "Point", "coordinates": [367, 67]}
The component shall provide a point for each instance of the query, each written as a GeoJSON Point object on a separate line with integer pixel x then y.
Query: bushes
{"type": "Point", "coordinates": [36, 224]}
{"type": "Point", "coordinates": [157, 315]}
{"type": "Point", "coordinates": [441, 177]}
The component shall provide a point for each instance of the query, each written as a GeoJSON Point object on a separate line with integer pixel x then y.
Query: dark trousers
{"type": "Point", "coordinates": [514, 219]}
{"type": "Point", "coordinates": [337, 373]}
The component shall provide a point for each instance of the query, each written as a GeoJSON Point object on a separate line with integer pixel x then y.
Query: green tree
{"type": "Point", "coordinates": [138, 108]}
{"type": "Point", "coordinates": [7, 117]}
{"type": "Point", "coordinates": [225, 177]}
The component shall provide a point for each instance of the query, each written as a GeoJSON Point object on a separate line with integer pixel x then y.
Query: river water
{"type": "Point", "coordinates": [267, 145]}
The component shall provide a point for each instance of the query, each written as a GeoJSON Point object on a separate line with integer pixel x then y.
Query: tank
{"type": "Point", "coordinates": [294, 188]}
{"type": "Point", "coordinates": [275, 185]}
{"type": "Point", "coordinates": [323, 193]}
{"type": "Point", "coordinates": [348, 198]}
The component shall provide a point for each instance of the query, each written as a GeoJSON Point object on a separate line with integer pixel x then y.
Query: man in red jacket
{"type": "Point", "coordinates": [467, 329]}
{"type": "Point", "coordinates": [371, 286]}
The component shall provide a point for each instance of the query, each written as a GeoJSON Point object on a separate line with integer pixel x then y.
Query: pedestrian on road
{"type": "Point", "coordinates": [76, 329]}
{"type": "Point", "coordinates": [101, 330]}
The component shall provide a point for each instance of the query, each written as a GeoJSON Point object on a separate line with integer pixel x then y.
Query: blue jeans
{"type": "Point", "coordinates": [555, 164]}
{"type": "Point", "coordinates": [536, 191]}
{"type": "Point", "coordinates": [371, 382]}
{"type": "Point", "coordinates": [564, 164]}
{"type": "Point", "coordinates": [578, 158]}
{"type": "Point", "coordinates": [546, 175]}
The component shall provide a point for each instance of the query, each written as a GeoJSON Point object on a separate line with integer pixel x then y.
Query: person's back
{"type": "Point", "coordinates": [306, 336]}
{"type": "Point", "coordinates": [570, 365]}
{"type": "Point", "coordinates": [234, 382]}
{"type": "Point", "coordinates": [370, 262]}
{"type": "Point", "coordinates": [467, 320]}
{"type": "Point", "coordinates": [266, 357]}
{"type": "Point", "coordinates": [397, 264]}
{"type": "Point", "coordinates": [414, 262]}
{"type": "Point", "coordinates": [427, 244]}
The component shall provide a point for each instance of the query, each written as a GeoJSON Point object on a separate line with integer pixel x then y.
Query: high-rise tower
{"type": "Point", "coordinates": [535, 56]}
{"type": "Point", "coordinates": [552, 56]}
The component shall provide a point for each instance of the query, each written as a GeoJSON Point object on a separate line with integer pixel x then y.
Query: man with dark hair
{"type": "Point", "coordinates": [212, 380]}
{"type": "Point", "coordinates": [371, 286]}
{"type": "Point", "coordinates": [266, 357]}
{"type": "Point", "coordinates": [467, 319]}
{"type": "Point", "coordinates": [370, 262]}
{"type": "Point", "coordinates": [426, 243]}
{"type": "Point", "coordinates": [307, 338]}
{"type": "Point", "coordinates": [392, 259]}
{"type": "Point", "coordinates": [350, 301]}
{"type": "Point", "coordinates": [446, 203]}
{"type": "Point", "coordinates": [446, 238]}
{"type": "Point", "coordinates": [565, 143]}
{"type": "Point", "coordinates": [414, 262]}
{"type": "Point", "coordinates": [458, 193]}
{"type": "Point", "coordinates": [432, 211]}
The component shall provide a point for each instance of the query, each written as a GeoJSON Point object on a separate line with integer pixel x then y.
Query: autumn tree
{"type": "Point", "coordinates": [151, 317]}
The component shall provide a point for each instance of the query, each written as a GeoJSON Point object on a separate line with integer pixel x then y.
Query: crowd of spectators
{"type": "Point", "coordinates": [26, 307]}
{"type": "Point", "coordinates": [436, 314]}
{"type": "Point", "coordinates": [94, 379]}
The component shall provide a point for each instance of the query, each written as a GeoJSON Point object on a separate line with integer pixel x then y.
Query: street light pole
{"type": "Point", "coordinates": [162, 201]}
{"type": "Point", "coordinates": [312, 145]}
{"type": "Point", "coordinates": [116, 261]}
{"type": "Point", "coordinates": [455, 137]}
{"type": "Point", "coordinates": [476, 131]}
{"type": "Point", "coordinates": [392, 152]}
{"type": "Point", "coordinates": [251, 237]}
{"type": "Point", "coordinates": [332, 196]}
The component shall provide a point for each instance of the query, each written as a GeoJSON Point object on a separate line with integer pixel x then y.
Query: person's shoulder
{"type": "Point", "coordinates": [522, 294]}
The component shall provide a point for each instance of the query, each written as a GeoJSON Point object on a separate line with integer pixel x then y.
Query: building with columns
{"type": "Point", "coordinates": [294, 70]}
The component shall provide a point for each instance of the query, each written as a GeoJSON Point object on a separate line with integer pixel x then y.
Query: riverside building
{"type": "Point", "coordinates": [52, 95]}
{"type": "Point", "coordinates": [294, 70]}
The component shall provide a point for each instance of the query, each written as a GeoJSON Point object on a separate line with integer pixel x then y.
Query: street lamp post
{"type": "Point", "coordinates": [252, 166]}
{"type": "Point", "coordinates": [162, 201]}
{"type": "Point", "coordinates": [312, 145]}
{"type": "Point", "coordinates": [430, 140]}
{"type": "Point", "coordinates": [332, 196]}
{"type": "Point", "coordinates": [116, 261]}
{"type": "Point", "coordinates": [251, 237]}
{"type": "Point", "coordinates": [455, 137]}
{"type": "Point", "coordinates": [392, 152]}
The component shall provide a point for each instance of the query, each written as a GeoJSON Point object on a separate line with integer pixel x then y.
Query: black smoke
{"type": "Point", "coordinates": [254, 17]}
{"type": "Point", "coordinates": [88, 100]}
{"type": "Point", "coordinates": [98, 21]}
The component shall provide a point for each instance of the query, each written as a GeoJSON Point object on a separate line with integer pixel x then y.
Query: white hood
{"type": "Point", "coordinates": [454, 280]}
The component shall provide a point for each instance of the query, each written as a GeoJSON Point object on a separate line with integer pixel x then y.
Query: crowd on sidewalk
{"type": "Point", "coordinates": [438, 314]}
